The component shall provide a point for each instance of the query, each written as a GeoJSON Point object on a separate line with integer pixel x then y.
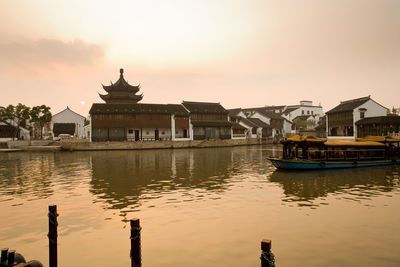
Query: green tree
{"type": "Point", "coordinates": [40, 115]}
{"type": "Point", "coordinates": [16, 114]}
{"type": "Point", "coordinates": [303, 124]}
{"type": "Point", "coordinates": [21, 115]}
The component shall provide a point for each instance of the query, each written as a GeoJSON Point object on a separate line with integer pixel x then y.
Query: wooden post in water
{"type": "Point", "coordinates": [267, 257]}
{"type": "Point", "coordinates": [4, 254]}
{"type": "Point", "coordinates": [53, 235]}
{"type": "Point", "coordinates": [136, 257]}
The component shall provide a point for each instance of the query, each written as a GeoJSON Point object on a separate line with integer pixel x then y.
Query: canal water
{"type": "Point", "coordinates": [198, 207]}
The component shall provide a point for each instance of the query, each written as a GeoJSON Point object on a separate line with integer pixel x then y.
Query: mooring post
{"type": "Point", "coordinates": [267, 257]}
{"type": "Point", "coordinates": [11, 257]}
{"type": "Point", "coordinates": [4, 253]}
{"type": "Point", "coordinates": [53, 235]}
{"type": "Point", "coordinates": [136, 257]}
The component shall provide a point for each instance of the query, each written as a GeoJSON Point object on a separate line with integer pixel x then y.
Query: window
{"type": "Point", "coordinates": [130, 131]}
{"type": "Point", "coordinates": [308, 112]}
{"type": "Point", "coordinates": [362, 114]}
{"type": "Point", "coordinates": [312, 112]}
{"type": "Point", "coordinates": [302, 112]}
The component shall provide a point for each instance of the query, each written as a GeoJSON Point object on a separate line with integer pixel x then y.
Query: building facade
{"type": "Point", "coordinates": [68, 122]}
{"type": "Point", "coordinates": [209, 120]}
{"type": "Point", "coordinates": [341, 120]}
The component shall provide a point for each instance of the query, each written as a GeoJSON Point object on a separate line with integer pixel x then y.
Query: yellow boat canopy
{"type": "Point", "coordinates": [302, 138]}
{"type": "Point", "coordinates": [379, 139]}
{"type": "Point", "coordinates": [352, 143]}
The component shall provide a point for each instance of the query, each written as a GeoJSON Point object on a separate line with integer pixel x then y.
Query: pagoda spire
{"type": "Point", "coordinates": [121, 91]}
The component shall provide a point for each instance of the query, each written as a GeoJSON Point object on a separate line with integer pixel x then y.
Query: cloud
{"type": "Point", "coordinates": [47, 52]}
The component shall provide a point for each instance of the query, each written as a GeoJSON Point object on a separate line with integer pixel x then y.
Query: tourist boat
{"type": "Point", "coordinates": [309, 152]}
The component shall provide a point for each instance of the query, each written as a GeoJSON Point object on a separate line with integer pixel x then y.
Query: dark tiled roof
{"type": "Point", "coordinates": [380, 120]}
{"type": "Point", "coordinates": [234, 111]}
{"type": "Point", "coordinates": [64, 128]}
{"type": "Point", "coordinates": [204, 107]}
{"type": "Point", "coordinates": [69, 110]}
{"type": "Point", "coordinates": [290, 109]}
{"type": "Point", "coordinates": [212, 123]}
{"type": "Point", "coordinates": [139, 108]}
{"type": "Point", "coordinates": [237, 126]}
{"type": "Point", "coordinates": [259, 123]}
{"type": "Point", "coordinates": [267, 113]}
{"type": "Point", "coordinates": [303, 117]}
{"type": "Point", "coordinates": [349, 105]}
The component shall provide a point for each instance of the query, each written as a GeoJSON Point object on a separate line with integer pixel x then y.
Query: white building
{"type": "Point", "coordinates": [341, 120]}
{"type": "Point", "coordinates": [68, 122]}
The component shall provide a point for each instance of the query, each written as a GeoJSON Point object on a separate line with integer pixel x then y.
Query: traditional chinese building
{"type": "Point", "coordinates": [122, 118]}
{"type": "Point", "coordinates": [341, 120]}
{"type": "Point", "coordinates": [209, 120]}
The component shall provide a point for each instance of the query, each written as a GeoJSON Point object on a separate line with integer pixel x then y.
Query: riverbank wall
{"type": "Point", "coordinates": [91, 146]}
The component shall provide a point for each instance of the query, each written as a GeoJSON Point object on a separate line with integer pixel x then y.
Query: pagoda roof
{"type": "Point", "coordinates": [139, 108]}
{"type": "Point", "coordinates": [134, 98]}
{"type": "Point", "coordinates": [121, 85]}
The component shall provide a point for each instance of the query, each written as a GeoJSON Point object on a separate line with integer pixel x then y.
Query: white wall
{"type": "Point", "coordinates": [68, 116]}
{"type": "Point", "coordinates": [261, 117]}
{"type": "Point", "coordinates": [373, 109]}
{"type": "Point", "coordinates": [298, 112]}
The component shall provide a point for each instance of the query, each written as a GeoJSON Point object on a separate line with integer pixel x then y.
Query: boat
{"type": "Point", "coordinates": [311, 153]}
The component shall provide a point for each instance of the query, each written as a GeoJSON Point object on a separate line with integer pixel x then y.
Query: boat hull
{"type": "Point", "coordinates": [296, 164]}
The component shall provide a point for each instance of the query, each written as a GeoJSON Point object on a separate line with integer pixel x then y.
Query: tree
{"type": "Point", "coordinates": [303, 124]}
{"type": "Point", "coordinates": [15, 116]}
{"type": "Point", "coordinates": [21, 115]}
{"type": "Point", "coordinates": [40, 115]}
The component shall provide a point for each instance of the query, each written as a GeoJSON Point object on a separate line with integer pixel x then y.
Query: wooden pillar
{"type": "Point", "coordinates": [136, 257]}
{"type": "Point", "coordinates": [267, 257]}
{"type": "Point", "coordinates": [53, 235]}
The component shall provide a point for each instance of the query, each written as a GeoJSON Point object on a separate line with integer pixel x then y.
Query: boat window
{"type": "Point", "coordinates": [364, 154]}
{"type": "Point", "coordinates": [316, 154]}
{"type": "Point", "coordinates": [378, 154]}
{"type": "Point", "coordinates": [300, 152]}
{"type": "Point", "coordinates": [352, 154]}
{"type": "Point", "coordinates": [336, 154]}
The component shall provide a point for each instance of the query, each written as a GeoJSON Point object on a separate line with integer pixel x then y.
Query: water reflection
{"type": "Point", "coordinates": [36, 174]}
{"type": "Point", "coordinates": [124, 178]}
{"type": "Point", "coordinates": [310, 188]}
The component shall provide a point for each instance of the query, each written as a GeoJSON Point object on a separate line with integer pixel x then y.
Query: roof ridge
{"type": "Point", "coordinates": [356, 99]}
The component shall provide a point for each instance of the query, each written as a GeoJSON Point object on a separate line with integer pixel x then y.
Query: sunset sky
{"type": "Point", "coordinates": [239, 53]}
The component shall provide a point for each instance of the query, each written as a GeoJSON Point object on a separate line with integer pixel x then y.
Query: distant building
{"type": "Point", "coordinates": [209, 120]}
{"type": "Point", "coordinates": [122, 118]}
{"type": "Point", "coordinates": [341, 120]}
{"type": "Point", "coordinates": [280, 125]}
{"type": "Point", "coordinates": [306, 108]}
{"type": "Point", "coordinates": [68, 122]}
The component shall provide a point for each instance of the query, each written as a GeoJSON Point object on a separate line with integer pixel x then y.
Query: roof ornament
{"type": "Point", "coordinates": [121, 71]}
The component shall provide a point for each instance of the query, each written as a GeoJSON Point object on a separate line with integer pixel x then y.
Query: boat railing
{"type": "Point", "coordinates": [346, 154]}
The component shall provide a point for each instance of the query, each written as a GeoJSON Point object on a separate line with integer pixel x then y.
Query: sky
{"type": "Point", "coordinates": [247, 53]}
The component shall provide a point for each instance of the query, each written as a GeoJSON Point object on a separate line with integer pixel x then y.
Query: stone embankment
{"type": "Point", "coordinates": [87, 146]}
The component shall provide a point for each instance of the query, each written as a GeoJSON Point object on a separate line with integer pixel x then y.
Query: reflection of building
{"type": "Point", "coordinates": [125, 177]}
{"type": "Point", "coordinates": [209, 120]}
{"type": "Point", "coordinates": [341, 120]}
{"type": "Point", "coordinates": [68, 122]}
{"type": "Point", "coordinates": [121, 118]}
{"type": "Point", "coordinates": [383, 125]}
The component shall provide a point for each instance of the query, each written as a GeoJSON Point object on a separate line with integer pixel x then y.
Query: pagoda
{"type": "Point", "coordinates": [121, 92]}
